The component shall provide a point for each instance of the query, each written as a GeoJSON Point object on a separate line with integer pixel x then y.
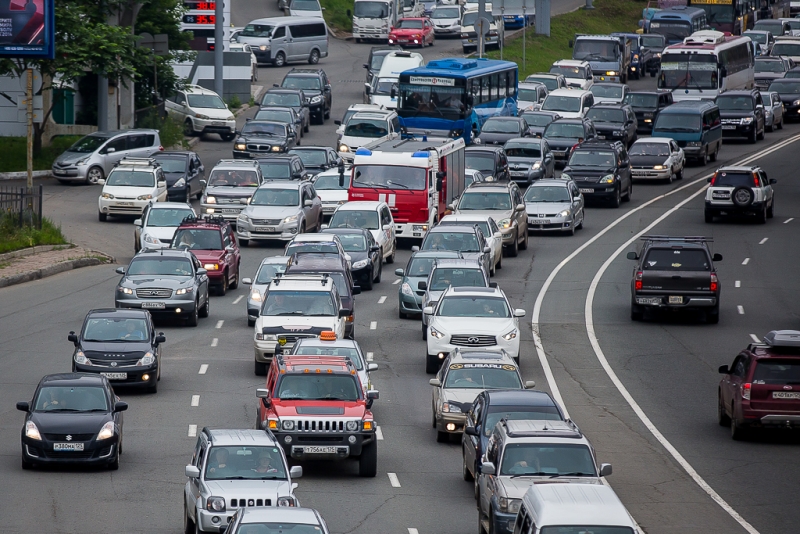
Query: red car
{"type": "Point", "coordinates": [762, 386]}
{"type": "Point", "coordinates": [213, 243]}
{"type": "Point", "coordinates": [317, 409]}
{"type": "Point", "coordinates": [412, 31]}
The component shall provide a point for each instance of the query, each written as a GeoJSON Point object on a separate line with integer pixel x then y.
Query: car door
{"type": "Point", "coordinates": [777, 108]}
{"type": "Point", "coordinates": [520, 215]}
{"type": "Point", "coordinates": [485, 482]}
{"type": "Point", "coordinates": [625, 169]}
{"type": "Point", "coordinates": [317, 201]}
{"type": "Point", "coordinates": [731, 383]}
{"type": "Point", "coordinates": [387, 231]}
{"type": "Point", "coordinates": [176, 106]}
{"type": "Point", "coordinates": [195, 175]}
{"type": "Point", "coordinates": [547, 159]}
{"type": "Point", "coordinates": [139, 229]}
{"type": "Point", "coordinates": [767, 187]}
{"type": "Point", "coordinates": [193, 485]}
{"type": "Point", "coordinates": [630, 123]}
{"type": "Point", "coordinates": [113, 151]}
{"type": "Point", "coordinates": [327, 90]}
{"type": "Point", "coordinates": [161, 186]}
{"type": "Point", "coordinates": [202, 281]}
{"type": "Point", "coordinates": [471, 444]}
{"type": "Point", "coordinates": [678, 158]}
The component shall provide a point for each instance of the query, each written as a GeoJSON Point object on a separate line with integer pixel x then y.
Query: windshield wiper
{"type": "Point", "coordinates": [290, 313]}
{"type": "Point", "coordinates": [404, 186]}
{"type": "Point", "coordinates": [63, 410]}
{"type": "Point", "coordinates": [573, 475]}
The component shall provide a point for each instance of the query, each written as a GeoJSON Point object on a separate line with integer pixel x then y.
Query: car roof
{"type": "Point", "coordinates": [169, 205]}
{"type": "Point", "coordinates": [503, 119]}
{"type": "Point", "coordinates": [170, 252]}
{"type": "Point", "coordinates": [653, 140]}
{"type": "Point", "coordinates": [436, 253]}
{"type": "Point", "coordinates": [230, 437]}
{"type": "Point", "coordinates": [275, 514]}
{"type": "Point", "coordinates": [533, 140]}
{"type": "Point", "coordinates": [569, 92]}
{"type": "Point", "coordinates": [308, 148]}
{"type": "Point", "coordinates": [373, 114]}
{"type": "Point", "coordinates": [571, 62]}
{"type": "Point", "coordinates": [452, 228]}
{"type": "Point", "coordinates": [611, 105]}
{"type": "Point", "coordinates": [361, 205]}
{"type": "Point", "coordinates": [576, 504]}
{"type": "Point", "coordinates": [484, 148]}
{"type": "Point", "coordinates": [272, 260]}
{"type": "Point", "coordinates": [73, 379]}
{"type": "Point", "coordinates": [315, 261]}
{"type": "Point", "coordinates": [482, 356]}
{"type": "Point", "coordinates": [477, 291]}
{"type": "Point", "coordinates": [332, 364]}
{"type": "Point", "coordinates": [446, 263]}
{"type": "Point", "coordinates": [777, 344]}
{"type": "Point", "coordinates": [519, 397]}
{"type": "Point", "coordinates": [549, 182]}
{"type": "Point", "coordinates": [533, 84]}
{"type": "Point", "coordinates": [536, 429]}
{"type": "Point", "coordinates": [280, 184]}
{"type": "Point", "coordinates": [317, 342]}
{"type": "Point", "coordinates": [277, 157]}
{"type": "Point", "coordinates": [465, 217]}
{"type": "Point", "coordinates": [132, 313]}
{"type": "Point", "coordinates": [314, 238]}
{"type": "Point", "coordinates": [235, 164]}
{"type": "Point", "coordinates": [739, 92]}
{"type": "Point", "coordinates": [172, 153]}
{"type": "Point", "coordinates": [345, 231]}
{"type": "Point", "coordinates": [498, 186]}
{"type": "Point", "coordinates": [301, 281]}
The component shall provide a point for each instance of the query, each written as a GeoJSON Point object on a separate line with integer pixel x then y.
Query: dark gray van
{"type": "Point", "coordinates": [279, 40]}
{"type": "Point", "coordinates": [695, 125]}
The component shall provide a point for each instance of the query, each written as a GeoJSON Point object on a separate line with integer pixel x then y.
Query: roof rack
{"type": "Point", "coordinates": [541, 428]}
{"type": "Point", "coordinates": [251, 162]}
{"type": "Point", "coordinates": [144, 162]}
{"type": "Point", "coordinates": [689, 238]}
{"type": "Point", "coordinates": [322, 278]}
{"type": "Point", "coordinates": [207, 219]}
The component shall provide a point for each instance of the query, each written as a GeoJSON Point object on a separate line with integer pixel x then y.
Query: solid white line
{"type": "Point", "coordinates": [382, 299]}
{"type": "Point", "coordinates": [203, 369]}
{"type": "Point", "coordinates": [373, 325]}
{"type": "Point", "coordinates": [741, 309]}
{"type": "Point", "coordinates": [746, 261]}
{"type": "Point", "coordinates": [763, 241]}
{"type": "Point", "coordinates": [412, 531]}
{"type": "Point", "coordinates": [738, 283]}
{"type": "Point", "coordinates": [192, 431]}
{"type": "Point", "coordinates": [398, 280]}
{"type": "Point", "coordinates": [195, 400]}
{"type": "Point", "coordinates": [787, 221]}
{"type": "Point", "coordinates": [394, 480]}
{"type": "Point", "coordinates": [370, 356]}
{"type": "Point", "coordinates": [220, 323]}
{"type": "Point", "coordinates": [238, 299]}
{"type": "Point", "coordinates": [378, 433]}
{"type": "Point", "coordinates": [215, 342]}
{"type": "Point", "coordinates": [755, 338]}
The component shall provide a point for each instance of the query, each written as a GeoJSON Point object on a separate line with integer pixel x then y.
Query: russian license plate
{"type": "Point", "coordinates": [69, 447]}
{"type": "Point", "coordinates": [124, 203]}
{"type": "Point", "coordinates": [785, 395]}
{"type": "Point", "coordinates": [601, 136]}
{"type": "Point", "coordinates": [265, 229]}
{"type": "Point", "coordinates": [319, 450]}
{"type": "Point", "coordinates": [538, 221]}
{"type": "Point", "coordinates": [59, 172]}
{"type": "Point", "coordinates": [675, 300]}
{"type": "Point", "coordinates": [115, 376]}
{"type": "Point", "coordinates": [648, 300]}
{"type": "Point", "coordinates": [720, 194]}
{"type": "Point", "coordinates": [586, 190]}
{"type": "Point", "coordinates": [728, 127]}
{"type": "Point", "coordinates": [154, 305]}
{"type": "Point", "coordinates": [218, 124]}
{"type": "Point", "coordinates": [230, 210]}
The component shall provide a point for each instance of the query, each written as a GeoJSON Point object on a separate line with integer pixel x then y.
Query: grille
{"type": "Point", "coordinates": [77, 455]}
{"type": "Point", "coordinates": [731, 121]}
{"type": "Point", "coordinates": [294, 337]}
{"type": "Point", "coordinates": [320, 425]}
{"type": "Point", "coordinates": [73, 437]}
{"type": "Point", "coordinates": [320, 439]}
{"type": "Point", "coordinates": [587, 179]}
{"type": "Point", "coordinates": [646, 173]}
{"type": "Point", "coordinates": [153, 293]}
{"type": "Point", "coordinates": [242, 503]}
{"type": "Point", "coordinates": [471, 340]}
{"type": "Point", "coordinates": [266, 222]}
{"type": "Point", "coordinates": [259, 148]}
{"type": "Point", "coordinates": [228, 200]}
{"type": "Point", "coordinates": [120, 363]}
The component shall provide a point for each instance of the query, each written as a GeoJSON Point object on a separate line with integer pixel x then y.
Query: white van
{"type": "Point", "coordinates": [569, 103]}
{"type": "Point", "coordinates": [278, 40]}
{"type": "Point", "coordinates": [573, 509]}
{"type": "Point", "coordinates": [379, 92]}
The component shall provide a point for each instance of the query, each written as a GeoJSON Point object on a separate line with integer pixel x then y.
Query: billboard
{"type": "Point", "coordinates": [27, 29]}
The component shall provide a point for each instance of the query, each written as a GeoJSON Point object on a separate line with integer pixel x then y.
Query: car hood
{"type": "Point", "coordinates": [522, 163]}
{"type": "Point", "coordinates": [578, 173]}
{"type": "Point", "coordinates": [515, 488]}
{"type": "Point", "coordinates": [769, 75]}
{"type": "Point", "coordinates": [736, 114]}
{"type": "Point", "coordinates": [225, 191]}
{"type": "Point", "coordinates": [214, 113]}
{"type": "Point", "coordinates": [533, 208]}
{"type": "Point", "coordinates": [606, 100]}
{"type": "Point", "coordinates": [476, 325]}
{"type": "Point", "coordinates": [445, 23]}
{"type": "Point", "coordinates": [356, 142]}
{"type": "Point", "coordinates": [256, 138]}
{"type": "Point", "coordinates": [385, 101]}
{"type": "Point", "coordinates": [72, 157]}
{"type": "Point", "coordinates": [561, 143]}
{"type": "Point", "coordinates": [492, 138]}
{"type": "Point", "coordinates": [114, 348]}
{"type": "Point", "coordinates": [789, 97]}
{"type": "Point", "coordinates": [306, 408]}
{"type": "Point", "coordinates": [141, 281]}
{"type": "Point", "coordinates": [174, 176]}
{"type": "Point", "coordinates": [406, 32]}
{"type": "Point", "coordinates": [463, 398]}
{"type": "Point", "coordinates": [432, 296]}
{"type": "Point", "coordinates": [163, 233]}
{"type": "Point", "coordinates": [70, 423]}
{"type": "Point", "coordinates": [332, 195]}
{"type": "Point", "coordinates": [497, 215]}
{"type": "Point", "coordinates": [609, 126]}
{"type": "Point", "coordinates": [357, 256]}
{"type": "Point", "coordinates": [250, 488]}
{"type": "Point", "coordinates": [126, 191]}
{"type": "Point", "coordinates": [414, 281]}
{"type": "Point", "coordinates": [569, 114]}
{"type": "Point", "coordinates": [208, 255]}
{"type": "Point", "coordinates": [270, 212]}
{"type": "Point", "coordinates": [295, 324]}
{"type": "Point", "coordinates": [647, 161]}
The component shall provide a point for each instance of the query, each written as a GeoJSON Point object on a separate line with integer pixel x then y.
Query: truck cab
{"type": "Point", "coordinates": [609, 56]}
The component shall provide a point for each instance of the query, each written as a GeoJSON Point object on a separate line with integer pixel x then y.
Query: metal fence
{"type": "Point", "coordinates": [22, 205]}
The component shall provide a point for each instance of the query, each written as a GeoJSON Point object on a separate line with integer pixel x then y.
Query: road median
{"type": "Point", "coordinates": [39, 262]}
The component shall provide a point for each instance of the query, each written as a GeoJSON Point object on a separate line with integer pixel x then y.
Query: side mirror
{"type": "Point", "coordinates": [519, 312]}
{"type": "Point", "coordinates": [244, 201]}
{"type": "Point", "coordinates": [422, 285]}
{"type": "Point", "coordinates": [203, 183]}
{"type": "Point", "coordinates": [373, 394]}
{"type": "Point", "coordinates": [427, 310]}
{"type": "Point", "coordinates": [372, 367]}
{"type": "Point", "coordinates": [387, 226]}
{"type": "Point", "coordinates": [487, 468]}
{"type": "Point", "coordinates": [296, 471]}
{"type": "Point", "coordinates": [262, 393]}
{"type": "Point", "coordinates": [191, 471]}
{"type": "Point", "coordinates": [365, 66]}
{"type": "Point", "coordinates": [308, 203]}
{"type": "Point", "coordinates": [120, 406]}
{"type": "Point", "coordinates": [487, 250]}
{"type": "Point", "coordinates": [161, 183]}
{"type": "Point", "coordinates": [399, 272]}
{"type": "Point", "coordinates": [72, 337]}
{"type": "Point", "coordinates": [347, 257]}
{"type": "Point", "coordinates": [393, 92]}
{"type": "Point", "coordinates": [452, 207]}
{"type": "Point", "coordinates": [632, 256]}
{"type": "Point", "coordinates": [229, 249]}
{"type": "Point", "coordinates": [120, 270]}
{"type": "Point", "coordinates": [344, 313]}
{"type": "Point", "coordinates": [723, 370]}
{"type": "Point", "coordinates": [530, 384]}
{"type": "Point", "coordinates": [367, 88]}
{"type": "Point", "coordinates": [137, 222]}
{"type": "Point", "coordinates": [520, 207]}
{"type": "Point", "coordinates": [605, 470]}
{"type": "Point", "coordinates": [716, 257]}
{"type": "Point", "coordinates": [23, 406]}
{"type": "Point", "coordinates": [375, 248]}
{"type": "Point", "coordinates": [247, 281]}
{"type": "Point", "coordinates": [356, 290]}
{"type": "Point", "coordinates": [471, 431]}
{"type": "Point", "coordinates": [493, 285]}
{"type": "Point", "coordinates": [415, 248]}
{"type": "Point", "coordinates": [498, 235]}
{"type": "Point", "coordinates": [161, 338]}
{"type": "Point", "coordinates": [435, 382]}
{"type": "Point", "coordinates": [337, 123]}
{"type": "Point", "coordinates": [110, 150]}
{"type": "Point", "coordinates": [201, 272]}
{"type": "Point", "coordinates": [101, 181]}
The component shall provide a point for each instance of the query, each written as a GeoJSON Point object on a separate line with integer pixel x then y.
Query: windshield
{"type": "Point", "coordinates": [501, 126]}
{"type": "Point", "coordinates": [565, 130]}
{"type": "Point", "coordinates": [649, 149]}
{"type": "Point", "coordinates": [652, 41]}
{"type": "Point", "coordinates": [770, 66]}
{"type": "Point", "coordinates": [595, 50]}
{"type": "Point", "coordinates": [314, 303]}
{"type": "Point", "coordinates": [606, 115]}
{"type": "Point", "coordinates": [482, 376]}
{"type": "Point", "coordinates": [168, 217]}
{"type": "Point", "coordinates": [678, 122]}
{"type": "Point", "coordinates": [548, 81]}
{"type": "Point", "coordinates": [281, 99]}
{"type": "Point", "coordinates": [735, 103]}
{"type": "Point", "coordinates": [161, 266]}
{"type": "Point", "coordinates": [455, 241]}
{"type": "Point", "coordinates": [353, 242]}
{"type": "Point", "coordinates": [547, 459]}
{"type": "Point", "coordinates": [264, 128]}
{"type": "Point", "coordinates": [775, 27]}
{"type": "Point", "coordinates": [785, 87]}
{"type": "Point", "coordinates": [389, 177]}
{"type": "Point", "coordinates": [432, 101]}
{"type": "Point", "coordinates": [775, 371]}
{"type": "Point", "coordinates": [492, 307]}
{"type": "Point", "coordinates": [475, 200]}
{"type": "Point", "coordinates": [786, 49]}
{"type": "Point", "coordinates": [311, 157]}
{"type": "Point", "coordinates": [527, 95]}
{"type": "Point", "coordinates": [472, 176]}
{"type": "Point", "coordinates": [279, 170]}
{"type": "Point", "coordinates": [71, 399]}
{"type": "Point", "coordinates": [569, 72]}
{"type": "Point", "coordinates": [327, 182]}
{"type": "Point", "coordinates": [482, 224]}
{"type": "Point", "coordinates": [672, 31]}
{"type": "Point", "coordinates": [257, 30]}
{"type": "Point", "coordinates": [205, 101]}
{"type": "Point", "coordinates": [586, 158]}
{"type": "Point", "coordinates": [662, 259]}
{"type": "Point", "coordinates": [275, 197]}
{"type": "Point", "coordinates": [196, 239]}
{"type": "Point", "coordinates": [695, 71]}
{"type": "Point", "coordinates": [233, 178]}
{"type": "Point", "coordinates": [517, 413]}
{"type": "Point", "coordinates": [479, 162]}
{"type": "Point", "coordinates": [90, 143]}
{"type": "Point", "coordinates": [760, 38]}
{"type": "Point", "coordinates": [562, 103]}
{"type": "Point", "coordinates": [537, 119]}
{"type": "Point", "coordinates": [305, 5]}
{"type": "Point", "coordinates": [420, 267]}
{"type": "Point", "coordinates": [523, 150]}
{"type": "Point", "coordinates": [301, 82]}
{"type": "Point", "coordinates": [277, 115]}
{"type": "Point", "coordinates": [641, 101]}
{"type": "Point", "coordinates": [131, 179]}
{"type": "Point", "coordinates": [444, 277]}
{"type": "Point", "coordinates": [607, 91]}
{"type": "Point", "coordinates": [351, 353]}
{"type": "Point", "coordinates": [409, 24]}
{"type": "Point", "coordinates": [318, 387]}
{"type": "Point", "coordinates": [446, 13]}
{"type": "Point", "coordinates": [367, 219]}
{"type": "Point", "coordinates": [110, 329]}
{"type": "Point", "coordinates": [245, 463]}
{"type": "Point", "coordinates": [384, 86]}
{"type": "Point", "coordinates": [370, 128]}
{"type": "Point", "coordinates": [371, 10]}
{"type": "Point", "coordinates": [548, 193]}
{"type": "Point", "coordinates": [169, 165]}
{"type": "Point", "coordinates": [268, 271]}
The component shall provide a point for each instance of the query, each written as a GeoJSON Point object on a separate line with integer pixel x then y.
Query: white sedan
{"type": "Point", "coordinates": [656, 158]}
{"type": "Point", "coordinates": [487, 224]}
{"type": "Point", "coordinates": [374, 216]}
{"type": "Point", "coordinates": [157, 225]}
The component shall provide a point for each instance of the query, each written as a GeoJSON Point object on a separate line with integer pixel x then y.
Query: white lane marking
{"type": "Point", "coordinates": [394, 480]}
{"type": "Point", "coordinates": [195, 400]}
{"type": "Point", "coordinates": [373, 325]}
{"type": "Point", "coordinates": [192, 431]}
{"type": "Point", "coordinates": [382, 299]}
{"type": "Point", "coordinates": [738, 283]}
{"type": "Point", "coordinates": [755, 338]}
{"type": "Point", "coordinates": [741, 309]}
{"type": "Point", "coordinates": [378, 433]}
{"type": "Point", "coordinates": [746, 261]}
{"type": "Point", "coordinates": [203, 369]}
{"type": "Point", "coordinates": [215, 342]}
{"type": "Point", "coordinates": [412, 531]}
{"type": "Point", "coordinates": [238, 299]}
{"type": "Point", "coordinates": [763, 241]}
{"type": "Point", "coordinates": [219, 324]}
{"type": "Point", "coordinates": [397, 281]}
{"type": "Point", "coordinates": [787, 221]}
{"type": "Point", "coordinates": [370, 356]}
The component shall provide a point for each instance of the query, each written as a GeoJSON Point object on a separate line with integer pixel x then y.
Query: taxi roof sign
{"type": "Point", "coordinates": [328, 335]}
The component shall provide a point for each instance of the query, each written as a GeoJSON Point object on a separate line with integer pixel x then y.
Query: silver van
{"type": "Point", "coordinates": [91, 158]}
{"type": "Point", "coordinates": [278, 40]}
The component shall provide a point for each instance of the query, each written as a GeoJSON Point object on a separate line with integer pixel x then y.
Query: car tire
{"type": "Point", "coordinates": [753, 137]}
{"type": "Point", "coordinates": [761, 135]}
{"type": "Point", "coordinates": [492, 269]}
{"type": "Point", "coordinates": [722, 416]}
{"type": "Point", "coordinates": [771, 209]}
{"type": "Point", "coordinates": [709, 216]}
{"type": "Point", "coordinates": [368, 284]}
{"type": "Point", "coordinates": [313, 57]}
{"type": "Point", "coordinates": [260, 369]}
{"type": "Point", "coordinates": [500, 260]}
{"type": "Point", "coordinates": [762, 216]}
{"type": "Point", "coordinates": [228, 137]}
{"type": "Point", "coordinates": [513, 250]}
{"type": "Point", "coordinates": [199, 195]}
{"type": "Point", "coordinates": [150, 389]}
{"type": "Point", "coordinates": [770, 128]}
{"type": "Point", "coordinates": [431, 364]}
{"type": "Point", "coordinates": [571, 230]}
{"type": "Point", "coordinates": [102, 217]}
{"type": "Point", "coordinates": [524, 245]}
{"type": "Point", "coordinates": [307, 126]}
{"type": "Point", "coordinates": [205, 311]}
{"type": "Point", "coordinates": [679, 175]}
{"type": "Point", "coordinates": [715, 155]}
{"type": "Point", "coordinates": [442, 437]}
{"type": "Point", "coordinates": [244, 242]}
{"type": "Point", "coordinates": [235, 282]}
{"type": "Point", "coordinates": [194, 317]}
{"type": "Point", "coordinates": [617, 200]}
{"type": "Point", "coordinates": [390, 259]}
{"type": "Point", "coordinates": [704, 158]}
{"type": "Point", "coordinates": [401, 315]}
{"type": "Point", "coordinates": [583, 216]}
{"type": "Point", "coordinates": [742, 201]}
{"type": "Point", "coordinates": [93, 174]}
{"type": "Point", "coordinates": [223, 287]}
{"type": "Point", "coordinates": [629, 192]}
{"type": "Point", "coordinates": [465, 474]}
{"type": "Point", "coordinates": [114, 464]}
{"type": "Point", "coordinates": [738, 432]}
{"type": "Point", "coordinates": [368, 461]}
{"type": "Point", "coordinates": [465, 49]}
{"type": "Point", "coordinates": [712, 317]}
{"type": "Point", "coordinates": [637, 312]}
{"type": "Point", "coordinates": [780, 124]}
{"type": "Point", "coordinates": [424, 331]}
{"type": "Point", "coordinates": [280, 59]}
{"type": "Point", "coordinates": [380, 271]}
{"type": "Point", "coordinates": [188, 524]}
{"type": "Point", "coordinates": [251, 322]}
{"type": "Point", "coordinates": [188, 128]}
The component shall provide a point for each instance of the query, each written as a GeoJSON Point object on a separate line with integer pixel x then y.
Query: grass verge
{"type": "Point", "coordinates": [14, 238]}
{"type": "Point", "coordinates": [14, 155]}
{"type": "Point", "coordinates": [541, 51]}
{"type": "Point", "coordinates": [336, 14]}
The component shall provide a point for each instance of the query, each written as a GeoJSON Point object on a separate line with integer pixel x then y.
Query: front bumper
{"type": "Point", "coordinates": [134, 376]}
{"type": "Point", "coordinates": [370, 33]}
{"type": "Point", "coordinates": [597, 190]}
{"type": "Point", "coordinates": [736, 130]}
{"type": "Point", "coordinates": [259, 153]}
{"type": "Point", "coordinates": [561, 156]}
{"type": "Point", "coordinates": [409, 304]}
{"type": "Point", "coordinates": [509, 235]}
{"type": "Point", "coordinates": [211, 521]}
{"type": "Point", "coordinates": [411, 230]}
{"type": "Point", "coordinates": [282, 232]}
{"type": "Point", "coordinates": [346, 444]}
{"type": "Point", "coordinates": [229, 212]}
{"type": "Point", "coordinates": [171, 305]}
{"type": "Point", "coordinates": [126, 206]}
{"type": "Point", "coordinates": [75, 173]}
{"type": "Point", "coordinates": [178, 193]}
{"type": "Point", "coordinates": [527, 177]}
{"type": "Point", "coordinates": [153, 246]}
{"type": "Point", "coordinates": [607, 78]}
{"type": "Point", "coordinates": [444, 347]}
{"type": "Point", "coordinates": [504, 523]}
{"type": "Point", "coordinates": [214, 125]}
{"type": "Point", "coordinates": [662, 301]}
{"type": "Point", "coordinates": [94, 452]}
{"type": "Point", "coordinates": [457, 419]}
{"type": "Point", "coordinates": [450, 30]}
{"type": "Point", "coordinates": [649, 173]}
{"type": "Point", "coordinates": [472, 41]}
{"type": "Point", "coordinates": [549, 224]}
{"type": "Point", "coordinates": [329, 207]}
{"type": "Point", "coordinates": [264, 350]}
{"type": "Point", "coordinates": [611, 135]}
{"type": "Point", "coordinates": [644, 124]}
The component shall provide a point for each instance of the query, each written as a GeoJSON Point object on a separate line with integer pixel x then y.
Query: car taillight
{"type": "Point", "coordinates": [714, 282]}
{"type": "Point", "coordinates": [714, 179]}
{"type": "Point", "coordinates": [638, 281]}
{"type": "Point", "coordinates": [161, 148]}
{"type": "Point", "coordinates": [746, 390]}
{"type": "Point", "coordinates": [755, 179]}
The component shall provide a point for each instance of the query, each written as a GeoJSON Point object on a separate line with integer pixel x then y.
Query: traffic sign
{"type": "Point", "coordinates": [482, 25]}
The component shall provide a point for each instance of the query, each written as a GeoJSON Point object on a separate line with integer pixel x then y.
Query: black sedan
{"type": "Point", "coordinates": [365, 254]}
{"type": "Point", "coordinates": [121, 345]}
{"type": "Point", "coordinates": [74, 418]}
{"type": "Point", "coordinates": [537, 121]}
{"type": "Point", "coordinates": [789, 91]}
{"type": "Point", "coordinates": [183, 171]}
{"type": "Point", "coordinates": [259, 138]}
{"type": "Point", "coordinates": [498, 130]}
{"type": "Point", "coordinates": [317, 158]}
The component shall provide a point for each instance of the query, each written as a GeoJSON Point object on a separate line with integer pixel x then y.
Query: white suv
{"type": "Point", "coordinates": [473, 317]}
{"type": "Point", "coordinates": [202, 111]}
{"type": "Point", "coordinates": [131, 185]}
{"type": "Point", "coordinates": [743, 190]}
{"type": "Point", "coordinates": [578, 73]}
{"type": "Point", "coordinates": [368, 127]}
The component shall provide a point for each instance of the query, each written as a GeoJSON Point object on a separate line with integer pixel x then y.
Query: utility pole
{"type": "Point", "coordinates": [219, 47]}
{"type": "Point", "coordinates": [29, 98]}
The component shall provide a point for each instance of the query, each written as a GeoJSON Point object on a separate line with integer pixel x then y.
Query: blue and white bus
{"type": "Point", "coordinates": [452, 98]}
{"type": "Point", "coordinates": [678, 23]}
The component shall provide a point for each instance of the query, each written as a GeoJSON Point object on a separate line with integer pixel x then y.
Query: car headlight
{"type": "Point", "coordinates": [536, 164]}
{"type": "Point", "coordinates": [510, 506]}
{"type": "Point", "coordinates": [264, 48]}
{"type": "Point", "coordinates": [231, 118]}
{"type": "Point", "coordinates": [316, 99]}
{"type": "Point", "coordinates": [406, 289]}
{"type": "Point", "coordinates": [617, 132]}
{"type": "Point", "coordinates": [504, 223]}
{"type": "Point", "coordinates": [125, 290]}
{"type": "Point", "coordinates": [179, 183]}
{"type": "Point", "coordinates": [210, 200]}
{"type": "Point", "coordinates": [31, 431]}
{"type": "Point", "coordinates": [435, 333]}
{"type": "Point", "coordinates": [659, 167]}
{"type": "Point", "coordinates": [266, 337]}
{"type": "Point", "coordinates": [607, 179]}
{"type": "Point", "coordinates": [184, 291]}
{"type": "Point", "coordinates": [144, 197]}
{"type": "Point", "coordinates": [747, 120]}
{"type": "Point", "coordinates": [510, 335]}
{"type": "Point", "coordinates": [450, 408]}
{"type": "Point", "coordinates": [215, 504]}
{"type": "Point", "coordinates": [796, 103]}
{"type": "Point", "coordinates": [477, 140]}
{"type": "Point", "coordinates": [636, 57]}
{"type": "Point", "coordinates": [152, 240]}
{"type": "Point", "coordinates": [277, 148]}
{"type": "Point", "coordinates": [563, 213]}
{"type": "Point", "coordinates": [243, 217]}
{"type": "Point", "coordinates": [290, 219]}
{"type": "Point", "coordinates": [287, 501]}
{"type": "Point", "coordinates": [359, 264]}
{"type": "Point", "coordinates": [658, 54]}
{"type": "Point", "coordinates": [147, 359]}
{"type": "Point", "coordinates": [611, 73]}
{"type": "Point", "coordinates": [351, 426]}
{"type": "Point", "coordinates": [81, 358]}
{"type": "Point", "coordinates": [211, 266]}
{"type": "Point", "coordinates": [694, 143]}
{"type": "Point", "coordinates": [565, 176]}
{"type": "Point", "coordinates": [106, 432]}
{"type": "Point", "coordinates": [240, 146]}
{"type": "Point", "coordinates": [82, 161]}
{"type": "Point", "coordinates": [255, 295]}
{"type": "Point", "coordinates": [107, 196]}
{"type": "Point", "coordinates": [287, 425]}
{"type": "Point", "coordinates": [344, 148]}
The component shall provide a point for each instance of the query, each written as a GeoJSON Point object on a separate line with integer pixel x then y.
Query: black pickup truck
{"type": "Point", "coordinates": [675, 273]}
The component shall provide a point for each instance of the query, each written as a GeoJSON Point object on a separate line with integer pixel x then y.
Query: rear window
{"type": "Point", "coordinates": [777, 372]}
{"type": "Point", "coordinates": [733, 179]}
{"type": "Point", "coordinates": [676, 260]}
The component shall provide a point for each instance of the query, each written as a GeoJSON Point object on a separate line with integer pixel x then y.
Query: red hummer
{"type": "Point", "coordinates": [317, 409]}
{"type": "Point", "coordinates": [213, 242]}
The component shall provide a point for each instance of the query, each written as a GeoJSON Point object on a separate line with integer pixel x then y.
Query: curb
{"type": "Point", "coordinates": [19, 175]}
{"type": "Point", "coordinates": [51, 270]}
{"type": "Point", "coordinates": [32, 250]}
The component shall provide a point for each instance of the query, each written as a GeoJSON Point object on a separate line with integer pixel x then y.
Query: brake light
{"type": "Point", "coordinates": [714, 179]}
{"type": "Point", "coordinates": [714, 282]}
{"type": "Point", "coordinates": [638, 281]}
{"type": "Point", "coordinates": [746, 390]}
{"type": "Point", "coordinates": [161, 148]}
{"type": "Point", "coordinates": [755, 179]}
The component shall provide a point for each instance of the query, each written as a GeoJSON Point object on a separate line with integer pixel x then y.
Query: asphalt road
{"type": "Point", "coordinates": [667, 366]}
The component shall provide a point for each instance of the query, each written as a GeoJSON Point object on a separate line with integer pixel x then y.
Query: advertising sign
{"type": "Point", "coordinates": [27, 29]}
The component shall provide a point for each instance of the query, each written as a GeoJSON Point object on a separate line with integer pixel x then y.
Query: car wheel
{"type": "Point", "coordinates": [738, 432]}
{"type": "Point", "coordinates": [679, 174]}
{"type": "Point", "coordinates": [380, 271]}
{"type": "Point", "coordinates": [255, 74]}
{"type": "Point", "coordinates": [771, 209]}
{"type": "Point", "coordinates": [280, 59]}
{"type": "Point", "coordinates": [617, 200]}
{"type": "Point", "coordinates": [260, 369]}
{"type": "Point", "coordinates": [228, 137]}
{"type": "Point", "coordinates": [583, 216]}
{"type": "Point", "coordinates": [571, 230]}
{"type": "Point", "coordinates": [150, 389]}
{"type": "Point", "coordinates": [465, 49]}
{"type": "Point", "coordinates": [313, 58]}
{"type": "Point", "coordinates": [769, 128]}
{"type": "Point", "coordinates": [244, 242]}
{"type": "Point", "coordinates": [307, 126]}
{"type": "Point", "coordinates": [194, 317]}
{"type": "Point", "coordinates": [94, 174]}
{"type": "Point", "coordinates": [513, 250]}
{"type": "Point", "coordinates": [199, 195]}
{"type": "Point", "coordinates": [400, 315]}
{"type": "Point", "coordinates": [188, 524]}
{"type": "Point", "coordinates": [709, 216]}
{"type": "Point", "coordinates": [524, 245]}
{"type": "Point", "coordinates": [102, 217]}
{"type": "Point", "coordinates": [442, 437]}
{"type": "Point", "coordinates": [205, 311]}
{"type": "Point", "coordinates": [431, 364]}
{"type": "Point", "coordinates": [500, 260]}
{"type": "Point", "coordinates": [251, 322]}
{"type": "Point", "coordinates": [761, 135]}
{"type": "Point", "coordinates": [26, 464]}
{"type": "Point", "coordinates": [465, 474]}
{"type": "Point", "coordinates": [368, 461]}
{"type": "Point", "coordinates": [114, 465]}
{"type": "Point", "coordinates": [368, 283]}
{"type": "Point", "coordinates": [223, 287]}
{"type": "Point", "coordinates": [493, 269]}
{"type": "Point", "coordinates": [637, 312]}
{"type": "Point", "coordinates": [704, 158]}
{"type": "Point", "coordinates": [390, 259]}
{"type": "Point", "coordinates": [762, 216]}
{"type": "Point", "coordinates": [712, 317]}
{"type": "Point", "coordinates": [188, 128]}
{"type": "Point", "coordinates": [722, 417]}
{"type": "Point", "coordinates": [780, 124]}
{"type": "Point", "coordinates": [235, 282]}
{"type": "Point", "coordinates": [424, 331]}
{"type": "Point", "coordinates": [753, 137]}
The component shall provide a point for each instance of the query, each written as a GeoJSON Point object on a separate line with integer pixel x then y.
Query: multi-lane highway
{"type": "Point", "coordinates": [644, 393]}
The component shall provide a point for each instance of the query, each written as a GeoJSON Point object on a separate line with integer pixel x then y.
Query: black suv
{"type": "Point", "coordinates": [675, 273]}
{"type": "Point", "coordinates": [616, 122]}
{"type": "Point", "coordinates": [183, 171]}
{"type": "Point", "coordinates": [317, 158]}
{"type": "Point", "coordinates": [602, 170]}
{"type": "Point", "coordinates": [490, 160]}
{"type": "Point", "coordinates": [317, 89]}
{"type": "Point", "coordinates": [742, 114]}
{"type": "Point", "coordinates": [646, 106]}
{"type": "Point", "coordinates": [289, 98]}
{"type": "Point", "coordinates": [283, 167]}
{"type": "Point", "coordinates": [121, 345]}
{"type": "Point", "coordinates": [563, 134]}
{"type": "Point", "coordinates": [260, 138]}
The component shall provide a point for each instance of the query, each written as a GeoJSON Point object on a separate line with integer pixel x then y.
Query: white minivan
{"type": "Point", "coordinates": [568, 103]}
{"type": "Point", "coordinates": [383, 89]}
{"type": "Point", "coordinates": [278, 40]}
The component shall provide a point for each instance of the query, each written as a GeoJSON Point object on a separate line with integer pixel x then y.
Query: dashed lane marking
{"type": "Point", "coordinates": [203, 369]}
{"type": "Point", "coordinates": [378, 433]}
{"type": "Point", "coordinates": [741, 309]}
{"type": "Point", "coordinates": [397, 281]}
{"type": "Point", "coordinates": [238, 299]}
{"type": "Point", "coordinates": [220, 323]}
{"type": "Point", "coordinates": [755, 338]}
{"type": "Point", "coordinates": [192, 431]}
{"type": "Point", "coordinates": [746, 261]}
{"type": "Point", "coordinates": [382, 299]}
{"type": "Point", "coordinates": [370, 356]}
{"type": "Point", "coordinates": [763, 241]}
{"type": "Point", "coordinates": [215, 341]}
{"type": "Point", "coordinates": [195, 400]}
{"type": "Point", "coordinates": [738, 283]}
{"type": "Point", "coordinates": [787, 221]}
{"type": "Point", "coordinates": [412, 531]}
{"type": "Point", "coordinates": [373, 325]}
{"type": "Point", "coordinates": [394, 480]}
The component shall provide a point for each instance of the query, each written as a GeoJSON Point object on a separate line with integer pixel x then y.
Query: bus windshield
{"type": "Point", "coordinates": [694, 71]}
{"type": "Point", "coordinates": [673, 30]}
{"type": "Point", "coordinates": [717, 14]}
{"type": "Point", "coordinates": [431, 101]}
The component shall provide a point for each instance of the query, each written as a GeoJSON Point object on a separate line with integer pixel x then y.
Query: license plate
{"type": "Point", "coordinates": [785, 395]}
{"type": "Point", "coordinates": [229, 210]}
{"type": "Point", "coordinates": [319, 450]}
{"type": "Point", "coordinates": [601, 136]}
{"type": "Point", "coordinates": [648, 300]}
{"type": "Point", "coordinates": [728, 127]}
{"type": "Point", "coordinates": [115, 376]}
{"type": "Point", "coordinates": [558, 153]}
{"type": "Point", "coordinates": [585, 190]}
{"type": "Point", "coordinates": [154, 305]}
{"type": "Point", "coordinates": [59, 172]}
{"type": "Point", "coordinates": [218, 124]}
{"type": "Point", "coordinates": [720, 195]}
{"type": "Point", "coordinates": [124, 203]}
{"type": "Point", "coordinates": [538, 221]}
{"type": "Point", "coordinates": [675, 300]}
{"type": "Point", "coordinates": [265, 229]}
{"type": "Point", "coordinates": [68, 447]}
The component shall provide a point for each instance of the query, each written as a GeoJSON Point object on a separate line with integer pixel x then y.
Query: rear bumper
{"type": "Point", "coordinates": [768, 418]}
{"type": "Point", "coordinates": [729, 208]}
{"type": "Point", "coordinates": [689, 301]}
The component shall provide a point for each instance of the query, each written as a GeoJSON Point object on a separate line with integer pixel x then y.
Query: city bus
{"type": "Point", "coordinates": [677, 23]}
{"type": "Point", "coordinates": [732, 16]}
{"type": "Point", "coordinates": [706, 64]}
{"type": "Point", "coordinates": [452, 98]}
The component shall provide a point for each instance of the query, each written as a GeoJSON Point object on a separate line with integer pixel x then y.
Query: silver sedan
{"type": "Point", "coordinates": [554, 206]}
{"type": "Point", "coordinates": [773, 110]}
